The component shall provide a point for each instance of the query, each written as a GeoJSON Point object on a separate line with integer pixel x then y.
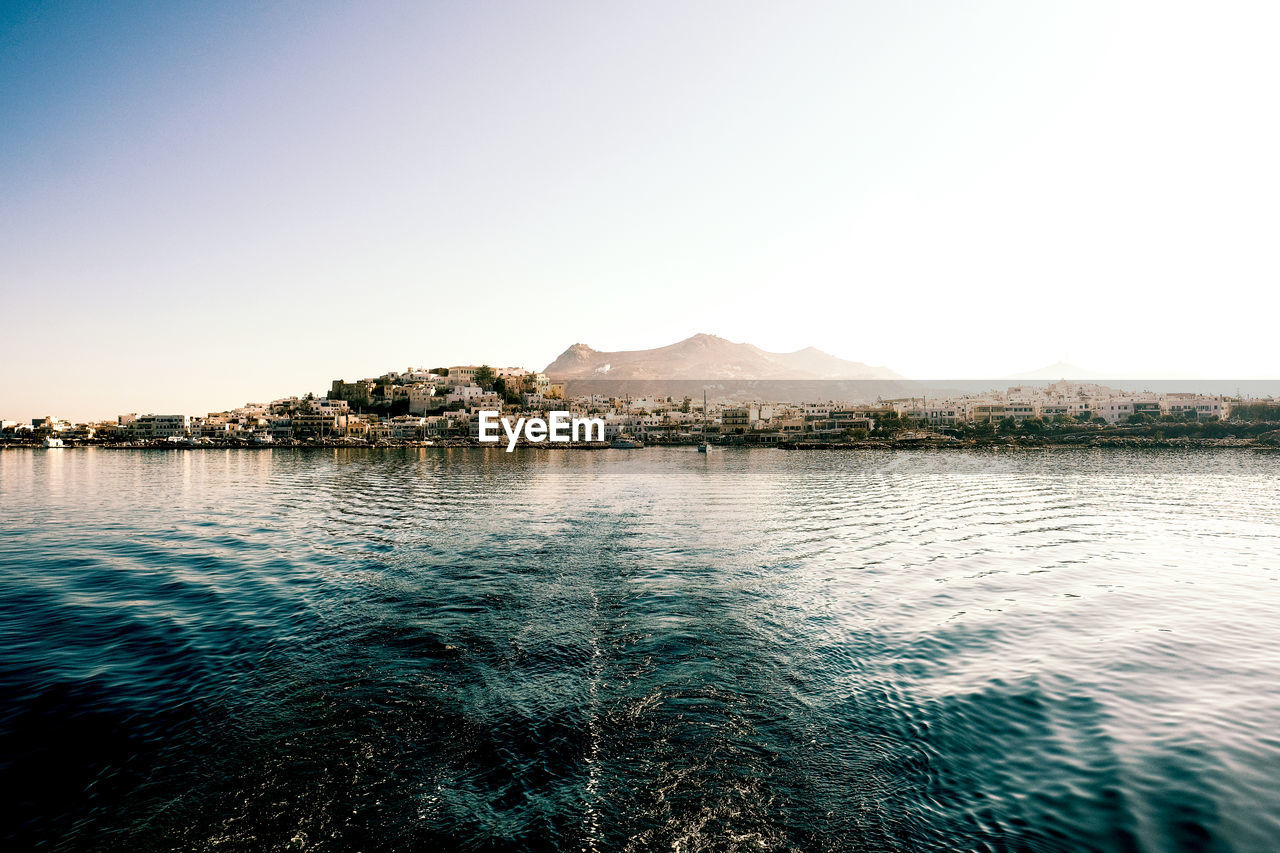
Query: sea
{"type": "Point", "coordinates": [633, 650]}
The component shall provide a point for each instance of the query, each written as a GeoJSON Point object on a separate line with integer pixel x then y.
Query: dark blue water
{"type": "Point", "coordinates": [639, 650]}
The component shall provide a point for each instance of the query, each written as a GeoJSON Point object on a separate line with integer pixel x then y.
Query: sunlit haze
{"type": "Point", "coordinates": [205, 204]}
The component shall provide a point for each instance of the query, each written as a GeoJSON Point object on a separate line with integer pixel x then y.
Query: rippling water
{"type": "Point", "coordinates": [640, 650]}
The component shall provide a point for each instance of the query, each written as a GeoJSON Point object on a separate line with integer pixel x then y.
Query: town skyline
{"type": "Point", "coordinates": [66, 407]}
{"type": "Point", "coordinates": [474, 405]}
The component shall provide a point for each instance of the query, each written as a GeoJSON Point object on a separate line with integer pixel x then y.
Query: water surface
{"type": "Point", "coordinates": [640, 650]}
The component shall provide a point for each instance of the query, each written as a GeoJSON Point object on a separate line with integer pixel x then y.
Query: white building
{"type": "Point", "coordinates": [422, 399]}
{"type": "Point", "coordinates": [1205, 407]}
{"type": "Point", "coordinates": [464, 393]}
{"type": "Point", "coordinates": [485, 402]}
{"type": "Point", "coordinates": [162, 426]}
{"type": "Point", "coordinates": [400, 428]}
{"type": "Point", "coordinates": [463, 374]}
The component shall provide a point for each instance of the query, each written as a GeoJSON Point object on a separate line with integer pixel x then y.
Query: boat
{"type": "Point", "coordinates": [704, 446]}
{"type": "Point", "coordinates": [51, 443]}
{"type": "Point", "coordinates": [626, 442]}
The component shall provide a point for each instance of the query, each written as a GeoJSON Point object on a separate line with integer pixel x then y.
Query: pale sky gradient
{"type": "Point", "coordinates": [205, 204]}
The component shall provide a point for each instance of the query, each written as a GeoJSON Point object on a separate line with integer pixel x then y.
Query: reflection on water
{"type": "Point", "coordinates": [464, 649]}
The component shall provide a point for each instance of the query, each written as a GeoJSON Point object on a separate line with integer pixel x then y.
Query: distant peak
{"type": "Point", "coordinates": [705, 356]}
{"type": "Point", "coordinates": [1059, 370]}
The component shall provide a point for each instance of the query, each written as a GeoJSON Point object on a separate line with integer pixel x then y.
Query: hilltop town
{"type": "Point", "coordinates": [442, 406]}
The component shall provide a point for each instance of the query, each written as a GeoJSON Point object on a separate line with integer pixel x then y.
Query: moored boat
{"type": "Point", "coordinates": [704, 446]}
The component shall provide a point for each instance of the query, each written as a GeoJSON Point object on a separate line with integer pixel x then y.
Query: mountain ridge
{"type": "Point", "coordinates": [705, 356]}
{"type": "Point", "coordinates": [1058, 370]}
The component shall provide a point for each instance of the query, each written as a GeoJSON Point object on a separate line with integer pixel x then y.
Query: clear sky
{"type": "Point", "coordinates": [203, 204]}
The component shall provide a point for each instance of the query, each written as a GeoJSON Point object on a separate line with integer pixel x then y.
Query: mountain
{"type": "Point", "coordinates": [707, 357]}
{"type": "Point", "coordinates": [1061, 370]}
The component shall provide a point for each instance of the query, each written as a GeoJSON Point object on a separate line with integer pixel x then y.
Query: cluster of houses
{"type": "Point", "coordinates": [1079, 401]}
{"type": "Point", "coordinates": [444, 405]}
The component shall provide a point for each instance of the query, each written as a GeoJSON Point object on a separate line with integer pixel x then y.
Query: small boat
{"type": "Point", "coordinates": [51, 443]}
{"type": "Point", "coordinates": [626, 442]}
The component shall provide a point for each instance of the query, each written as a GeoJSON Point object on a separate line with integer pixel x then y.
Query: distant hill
{"type": "Point", "coordinates": [707, 357]}
{"type": "Point", "coordinates": [1061, 370]}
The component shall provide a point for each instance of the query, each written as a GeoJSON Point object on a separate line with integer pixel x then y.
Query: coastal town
{"type": "Point", "coordinates": [442, 406]}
